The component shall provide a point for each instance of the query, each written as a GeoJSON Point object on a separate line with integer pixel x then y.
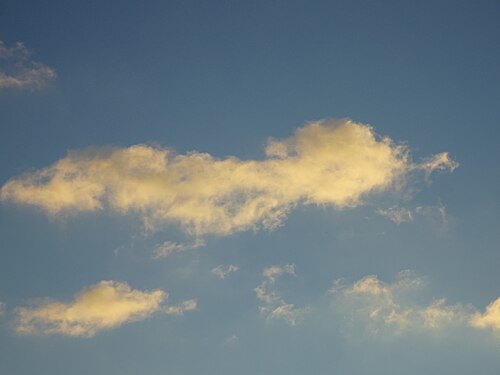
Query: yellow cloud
{"type": "Point", "coordinates": [331, 163]}
{"type": "Point", "coordinates": [105, 305]}
{"type": "Point", "coordinates": [490, 318]}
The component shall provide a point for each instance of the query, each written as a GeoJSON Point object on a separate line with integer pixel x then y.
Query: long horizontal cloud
{"type": "Point", "coordinates": [18, 70]}
{"type": "Point", "coordinates": [393, 308]}
{"type": "Point", "coordinates": [324, 163]}
{"type": "Point", "coordinates": [105, 305]}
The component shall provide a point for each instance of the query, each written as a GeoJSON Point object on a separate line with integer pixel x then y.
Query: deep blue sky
{"type": "Point", "coordinates": [221, 77]}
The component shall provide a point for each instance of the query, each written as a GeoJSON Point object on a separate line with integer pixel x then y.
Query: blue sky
{"type": "Point", "coordinates": [249, 187]}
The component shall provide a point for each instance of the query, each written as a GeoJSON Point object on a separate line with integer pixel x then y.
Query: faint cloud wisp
{"type": "Point", "coordinates": [18, 70]}
{"type": "Point", "coordinates": [222, 271]}
{"type": "Point", "coordinates": [272, 305]}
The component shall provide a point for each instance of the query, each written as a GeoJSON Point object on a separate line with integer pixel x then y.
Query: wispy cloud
{"type": "Point", "coordinates": [272, 305]}
{"type": "Point", "coordinates": [400, 215]}
{"type": "Point", "coordinates": [333, 163]}
{"type": "Point", "coordinates": [222, 271]}
{"type": "Point", "coordinates": [2, 308]}
{"type": "Point", "coordinates": [102, 306]}
{"type": "Point", "coordinates": [396, 214]}
{"type": "Point", "coordinates": [181, 308]}
{"type": "Point", "coordinates": [397, 307]}
{"type": "Point", "coordinates": [439, 162]}
{"type": "Point", "coordinates": [167, 248]}
{"type": "Point", "coordinates": [232, 340]}
{"type": "Point", "coordinates": [18, 70]}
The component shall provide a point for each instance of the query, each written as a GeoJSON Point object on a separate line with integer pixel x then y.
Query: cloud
{"type": "Point", "coordinates": [393, 308]}
{"type": "Point", "coordinates": [2, 308]}
{"type": "Point", "coordinates": [400, 215]}
{"type": "Point", "coordinates": [167, 248]}
{"type": "Point", "coordinates": [272, 305]}
{"type": "Point", "coordinates": [439, 162]}
{"type": "Point", "coordinates": [232, 340]}
{"type": "Point", "coordinates": [102, 306]}
{"type": "Point", "coordinates": [396, 214]}
{"type": "Point", "coordinates": [17, 70]}
{"type": "Point", "coordinates": [180, 309]}
{"type": "Point", "coordinates": [490, 318]}
{"type": "Point", "coordinates": [326, 163]}
{"type": "Point", "coordinates": [222, 271]}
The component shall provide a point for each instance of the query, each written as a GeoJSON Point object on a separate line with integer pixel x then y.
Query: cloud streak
{"type": "Point", "coordinates": [168, 248]}
{"type": "Point", "coordinates": [325, 163]}
{"type": "Point", "coordinates": [18, 70]}
{"type": "Point", "coordinates": [102, 306]}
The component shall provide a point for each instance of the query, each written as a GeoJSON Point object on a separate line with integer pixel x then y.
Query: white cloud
{"type": "Point", "coordinates": [232, 340]}
{"type": "Point", "coordinates": [400, 215]}
{"type": "Point", "coordinates": [2, 308]}
{"type": "Point", "coordinates": [396, 214]}
{"type": "Point", "coordinates": [334, 163]}
{"type": "Point", "coordinates": [393, 308]}
{"type": "Point", "coordinates": [437, 212]}
{"type": "Point", "coordinates": [272, 305]}
{"type": "Point", "coordinates": [167, 248]}
{"type": "Point", "coordinates": [17, 70]}
{"type": "Point", "coordinates": [222, 271]}
{"type": "Point", "coordinates": [180, 309]}
{"type": "Point", "coordinates": [102, 306]}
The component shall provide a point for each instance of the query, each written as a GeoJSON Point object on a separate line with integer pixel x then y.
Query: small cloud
{"type": "Point", "coordinates": [2, 308]}
{"type": "Point", "coordinates": [272, 305]}
{"type": "Point", "coordinates": [439, 162]}
{"type": "Point", "coordinates": [273, 272]}
{"type": "Point", "coordinates": [397, 215]}
{"type": "Point", "coordinates": [102, 306]}
{"type": "Point", "coordinates": [180, 309]}
{"type": "Point", "coordinates": [18, 70]}
{"type": "Point", "coordinates": [222, 271]}
{"type": "Point", "coordinates": [232, 340]}
{"type": "Point", "coordinates": [167, 248]}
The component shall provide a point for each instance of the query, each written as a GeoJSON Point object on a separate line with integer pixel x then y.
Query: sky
{"type": "Point", "coordinates": [249, 187]}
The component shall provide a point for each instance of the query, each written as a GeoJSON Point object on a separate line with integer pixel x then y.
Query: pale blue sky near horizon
{"type": "Point", "coordinates": [222, 77]}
